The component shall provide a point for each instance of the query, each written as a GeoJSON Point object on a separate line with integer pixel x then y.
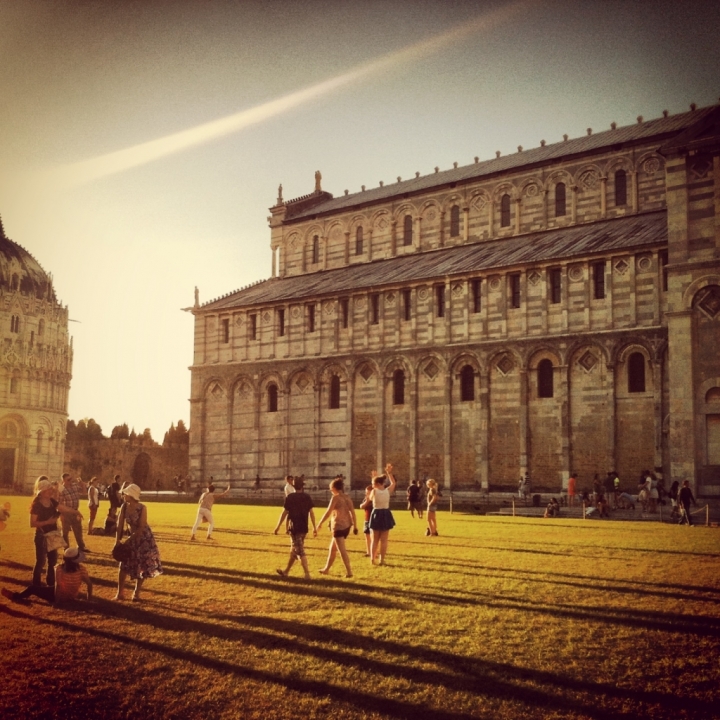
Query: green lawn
{"type": "Point", "coordinates": [498, 617]}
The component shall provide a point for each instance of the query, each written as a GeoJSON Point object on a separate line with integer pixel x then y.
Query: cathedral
{"type": "Point", "coordinates": [35, 370]}
{"type": "Point", "coordinates": [551, 311]}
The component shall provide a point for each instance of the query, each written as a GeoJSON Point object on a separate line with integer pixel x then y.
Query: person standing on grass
{"type": "Point", "coordinates": [69, 577]}
{"type": "Point", "coordinates": [207, 500]}
{"type": "Point", "coordinates": [93, 503]}
{"type": "Point", "coordinates": [297, 508]}
{"type": "Point", "coordinates": [685, 497]}
{"type": "Point", "coordinates": [44, 512]}
{"type": "Point", "coordinates": [432, 501]}
{"type": "Point", "coordinates": [289, 487]}
{"type": "Point", "coordinates": [70, 497]}
{"type": "Point", "coordinates": [572, 489]}
{"type": "Point", "coordinates": [144, 561]}
{"type": "Point", "coordinates": [342, 518]}
{"type": "Point", "coordinates": [381, 518]}
{"type": "Point", "coordinates": [413, 496]}
{"type": "Point", "coordinates": [366, 507]}
{"type": "Point", "coordinates": [113, 494]}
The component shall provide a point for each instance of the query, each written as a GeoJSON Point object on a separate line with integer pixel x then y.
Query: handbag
{"type": "Point", "coordinates": [54, 541]}
{"type": "Point", "coordinates": [122, 551]}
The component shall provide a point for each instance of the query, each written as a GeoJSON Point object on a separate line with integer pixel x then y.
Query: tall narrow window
{"type": "Point", "coordinates": [514, 287]}
{"type": "Point", "coordinates": [359, 241]}
{"type": "Point", "coordinates": [374, 308]}
{"type": "Point", "coordinates": [476, 286]}
{"type": "Point", "coordinates": [505, 211]}
{"type": "Point", "coordinates": [281, 321]}
{"type": "Point", "coordinates": [440, 301]}
{"type": "Point", "coordinates": [344, 311]}
{"type": "Point", "coordinates": [334, 392]}
{"type": "Point", "coordinates": [620, 188]}
{"type": "Point", "coordinates": [560, 200]}
{"type": "Point", "coordinates": [467, 384]}
{"type": "Point", "coordinates": [14, 324]}
{"type": "Point", "coordinates": [272, 398]}
{"type": "Point", "coordinates": [38, 447]}
{"type": "Point", "coordinates": [599, 280]}
{"type": "Point", "coordinates": [398, 387]}
{"type": "Point", "coordinates": [252, 328]}
{"type": "Point", "coordinates": [311, 318]}
{"type": "Point", "coordinates": [316, 250]}
{"type": "Point", "coordinates": [15, 282]}
{"type": "Point", "coordinates": [13, 385]}
{"type": "Point", "coordinates": [226, 330]}
{"type": "Point", "coordinates": [545, 379]}
{"type": "Point", "coordinates": [555, 282]}
{"type": "Point", "coordinates": [454, 221]}
{"type": "Point", "coordinates": [41, 324]}
{"type": "Point", "coordinates": [663, 259]}
{"type": "Point", "coordinates": [636, 373]}
{"type": "Point", "coordinates": [407, 303]}
{"type": "Point", "coordinates": [408, 230]}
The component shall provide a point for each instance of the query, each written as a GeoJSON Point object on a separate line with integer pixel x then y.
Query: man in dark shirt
{"type": "Point", "coordinates": [297, 507]}
{"type": "Point", "coordinates": [113, 493]}
{"type": "Point", "coordinates": [686, 497]}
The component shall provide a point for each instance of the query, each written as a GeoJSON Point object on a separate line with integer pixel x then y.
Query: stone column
{"type": "Point", "coordinates": [484, 411]}
{"type": "Point", "coordinates": [657, 411]}
{"type": "Point", "coordinates": [447, 433]}
{"type": "Point", "coordinates": [350, 393]}
{"type": "Point", "coordinates": [603, 196]}
{"type": "Point", "coordinates": [518, 205]}
{"type": "Point", "coordinates": [466, 223]}
{"type": "Point", "coordinates": [611, 418]}
{"type": "Point", "coordinates": [563, 387]}
{"type": "Point", "coordinates": [414, 393]}
{"type": "Point", "coordinates": [634, 190]}
{"type": "Point", "coordinates": [573, 203]}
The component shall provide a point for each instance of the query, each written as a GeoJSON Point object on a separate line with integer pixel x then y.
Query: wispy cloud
{"type": "Point", "coordinates": [137, 155]}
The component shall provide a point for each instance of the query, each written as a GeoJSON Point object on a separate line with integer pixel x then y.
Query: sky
{"type": "Point", "coordinates": [142, 143]}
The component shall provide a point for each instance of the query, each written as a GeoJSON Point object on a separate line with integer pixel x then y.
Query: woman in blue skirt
{"type": "Point", "coordinates": [381, 519]}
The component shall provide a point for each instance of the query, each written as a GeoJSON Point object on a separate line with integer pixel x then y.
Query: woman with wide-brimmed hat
{"type": "Point", "coordinates": [143, 560]}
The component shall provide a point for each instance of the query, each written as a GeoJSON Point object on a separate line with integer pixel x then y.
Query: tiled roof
{"type": "Point", "coordinates": [660, 128]}
{"type": "Point", "coordinates": [599, 238]}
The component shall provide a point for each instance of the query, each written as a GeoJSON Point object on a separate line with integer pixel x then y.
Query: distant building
{"type": "Point", "coordinates": [35, 370]}
{"type": "Point", "coordinates": [556, 310]}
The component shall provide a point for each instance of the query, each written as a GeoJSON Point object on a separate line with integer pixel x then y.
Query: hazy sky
{"type": "Point", "coordinates": [102, 182]}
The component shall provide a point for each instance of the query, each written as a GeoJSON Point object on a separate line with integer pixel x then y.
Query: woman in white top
{"type": "Point", "coordinates": [381, 519]}
{"type": "Point", "coordinates": [207, 500]}
{"type": "Point", "coordinates": [342, 519]}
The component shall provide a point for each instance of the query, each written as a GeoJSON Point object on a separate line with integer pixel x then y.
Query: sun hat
{"type": "Point", "coordinates": [71, 553]}
{"type": "Point", "coordinates": [132, 490]}
{"type": "Point", "coordinates": [43, 485]}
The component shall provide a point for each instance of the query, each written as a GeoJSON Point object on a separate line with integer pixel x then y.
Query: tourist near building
{"type": "Point", "coordinates": [35, 370]}
{"type": "Point", "coordinates": [551, 311]}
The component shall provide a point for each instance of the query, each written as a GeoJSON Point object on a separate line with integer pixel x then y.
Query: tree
{"type": "Point", "coordinates": [120, 432]}
{"type": "Point", "coordinates": [146, 438]}
{"type": "Point", "coordinates": [132, 437]}
{"type": "Point", "coordinates": [176, 435]}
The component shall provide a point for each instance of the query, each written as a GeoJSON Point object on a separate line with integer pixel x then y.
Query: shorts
{"type": "Point", "coordinates": [297, 542]}
{"type": "Point", "coordinates": [341, 532]}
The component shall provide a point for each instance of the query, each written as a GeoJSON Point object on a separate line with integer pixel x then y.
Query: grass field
{"type": "Point", "coordinates": [497, 618]}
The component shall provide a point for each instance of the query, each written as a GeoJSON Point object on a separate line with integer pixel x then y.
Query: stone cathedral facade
{"type": "Point", "coordinates": [552, 311]}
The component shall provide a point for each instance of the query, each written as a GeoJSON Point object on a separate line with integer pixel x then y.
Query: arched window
{"type": "Point", "coordinates": [334, 392]}
{"type": "Point", "coordinates": [467, 384]}
{"type": "Point", "coordinates": [505, 211]}
{"type": "Point", "coordinates": [398, 387]}
{"type": "Point", "coordinates": [15, 282]}
{"type": "Point", "coordinates": [15, 323]}
{"type": "Point", "coordinates": [13, 385]}
{"type": "Point", "coordinates": [41, 328]}
{"type": "Point", "coordinates": [560, 200]}
{"type": "Point", "coordinates": [636, 372]}
{"type": "Point", "coordinates": [620, 188]}
{"type": "Point", "coordinates": [272, 398]}
{"type": "Point", "coordinates": [454, 221]}
{"type": "Point", "coordinates": [408, 230]}
{"type": "Point", "coordinates": [316, 250]}
{"type": "Point", "coordinates": [38, 448]}
{"type": "Point", "coordinates": [545, 378]}
{"type": "Point", "coordinates": [359, 241]}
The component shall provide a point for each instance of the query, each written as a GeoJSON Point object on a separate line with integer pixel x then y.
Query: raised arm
{"type": "Point", "coordinates": [389, 473]}
{"type": "Point", "coordinates": [283, 515]}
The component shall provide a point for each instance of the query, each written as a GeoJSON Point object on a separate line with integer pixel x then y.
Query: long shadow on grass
{"type": "Point", "coordinates": [463, 674]}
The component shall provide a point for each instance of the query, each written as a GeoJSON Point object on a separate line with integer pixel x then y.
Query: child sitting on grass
{"type": "Point", "coordinates": [69, 577]}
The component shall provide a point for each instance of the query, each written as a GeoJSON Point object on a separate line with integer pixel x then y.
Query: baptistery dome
{"type": "Point", "coordinates": [35, 370]}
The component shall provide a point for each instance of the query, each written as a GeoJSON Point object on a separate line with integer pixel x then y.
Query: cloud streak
{"type": "Point", "coordinates": [121, 160]}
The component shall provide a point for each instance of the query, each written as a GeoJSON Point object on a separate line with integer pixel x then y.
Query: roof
{"type": "Point", "coordinates": [660, 128]}
{"type": "Point", "coordinates": [607, 236]}
{"type": "Point", "coordinates": [16, 260]}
